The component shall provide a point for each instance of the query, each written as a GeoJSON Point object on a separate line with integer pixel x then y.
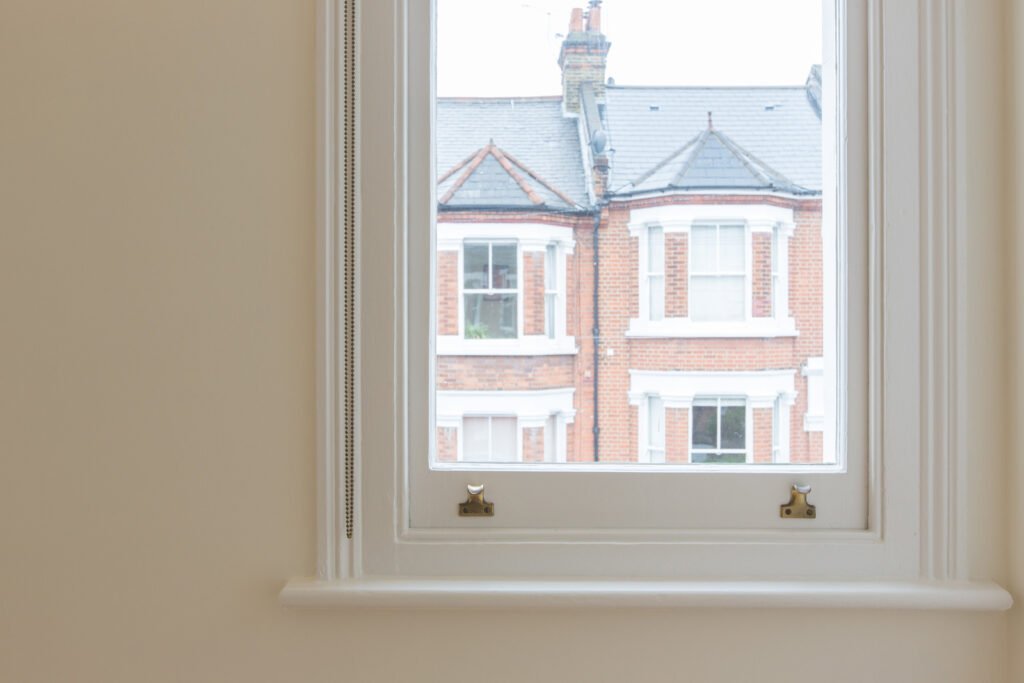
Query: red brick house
{"type": "Point", "coordinates": [630, 274]}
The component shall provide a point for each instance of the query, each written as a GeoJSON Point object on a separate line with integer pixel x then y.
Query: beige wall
{"type": "Point", "coordinates": [156, 389]}
{"type": "Point", "coordinates": [1015, 313]}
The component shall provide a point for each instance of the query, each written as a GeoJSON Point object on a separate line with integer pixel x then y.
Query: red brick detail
{"type": "Point", "coordinates": [533, 292]}
{"type": "Point", "coordinates": [447, 444]}
{"type": "Point", "coordinates": [762, 434]}
{"type": "Point", "coordinates": [533, 444]}
{"type": "Point", "coordinates": [507, 373]}
{"type": "Point", "coordinates": [762, 274]}
{"type": "Point", "coordinates": [676, 274]}
{"type": "Point", "coordinates": [448, 292]}
{"type": "Point", "coordinates": [677, 435]}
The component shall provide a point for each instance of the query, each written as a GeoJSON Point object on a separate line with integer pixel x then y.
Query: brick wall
{"type": "Point", "coordinates": [761, 274]}
{"type": "Point", "coordinates": [447, 444]}
{"type": "Point", "coordinates": [762, 434]}
{"type": "Point", "coordinates": [677, 435]}
{"type": "Point", "coordinates": [447, 292]}
{"type": "Point", "coordinates": [533, 444]}
{"type": "Point", "coordinates": [533, 292]}
{"type": "Point", "coordinates": [677, 269]}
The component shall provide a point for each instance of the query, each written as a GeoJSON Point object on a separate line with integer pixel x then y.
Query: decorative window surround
{"type": "Point", "coordinates": [531, 408]}
{"type": "Point", "coordinates": [678, 389]}
{"type": "Point", "coordinates": [762, 328]}
{"type": "Point", "coordinates": [774, 220]}
{"type": "Point", "coordinates": [814, 418]}
{"type": "Point", "coordinates": [531, 237]}
{"type": "Point", "coordinates": [676, 218]}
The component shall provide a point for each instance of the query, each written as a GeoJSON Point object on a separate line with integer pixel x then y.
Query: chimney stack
{"type": "Point", "coordinates": [583, 57]}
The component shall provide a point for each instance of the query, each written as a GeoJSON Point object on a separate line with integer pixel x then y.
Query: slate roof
{"type": "Point", "coordinates": [712, 161]}
{"type": "Point", "coordinates": [544, 145]}
{"type": "Point", "coordinates": [492, 178]}
{"type": "Point", "coordinates": [776, 125]}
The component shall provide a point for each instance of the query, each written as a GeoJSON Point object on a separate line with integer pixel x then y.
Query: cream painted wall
{"type": "Point", "coordinates": [1015, 269]}
{"type": "Point", "coordinates": [156, 389]}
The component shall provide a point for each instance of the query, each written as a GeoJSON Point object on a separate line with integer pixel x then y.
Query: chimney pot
{"type": "Point", "coordinates": [576, 20]}
{"type": "Point", "coordinates": [594, 19]}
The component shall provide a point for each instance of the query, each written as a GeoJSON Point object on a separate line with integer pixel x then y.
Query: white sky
{"type": "Point", "coordinates": [510, 47]}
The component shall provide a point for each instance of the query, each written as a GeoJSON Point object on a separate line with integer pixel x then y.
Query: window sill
{"type": "Point", "coordinates": [534, 593]}
{"type": "Point", "coordinates": [685, 328]}
{"type": "Point", "coordinates": [448, 345]}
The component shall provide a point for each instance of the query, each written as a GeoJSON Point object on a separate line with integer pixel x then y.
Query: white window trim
{"type": "Point", "coordinates": [679, 389]}
{"type": "Point", "coordinates": [675, 219]}
{"type": "Point", "coordinates": [926, 484]}
{"type": "Point", "coordinates": [530, 237]}
{"type": "Point", "coordinates": [530, 408]}
{"type": "Point", "coordinates": [813, 368]}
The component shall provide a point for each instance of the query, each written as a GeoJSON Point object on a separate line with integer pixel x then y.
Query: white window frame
{"type": "Point", "coordinates": [745, 274]}
{"type": "Point", "coordinates": [530, 237]}
{"type": "Point", "coordinates": [903, 189]}
{"type": "Point", "coordinates": [756, 218]}
{"type": "Point", "coordinates": [518, 290]}
{"type": "Point", "coordinates": [814, 371]}
{"type": "Point", "coordinates": [719, 402]}
{"type": "Point", "coordinates": [490, 434]}
{"type": "Point", "coordinates": [532, 408]}
{"type": "Point", "coordinates": [650, 274]}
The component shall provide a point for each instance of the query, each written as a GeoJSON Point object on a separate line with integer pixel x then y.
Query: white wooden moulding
{"type": "Point", "coordinates": [922, 504]}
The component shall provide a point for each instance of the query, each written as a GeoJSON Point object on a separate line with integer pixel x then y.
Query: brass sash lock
{"type": "Point", "coordinates": [798, 507]}
{"type": "Point", "coordinates": [475, 505]}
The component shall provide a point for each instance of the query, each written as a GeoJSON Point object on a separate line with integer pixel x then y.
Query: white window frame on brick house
{"type": "Point", "coordinates": [678, 389]}
{"type": "Point", "coordinates": [652, 291]}
{"type": "Point", "coordinates": [532, 238]}
{"type": "Point", "coordinates": [718, 403]}
{"type": "Point", "coordinates": [490, 290]}
{"type": "Point", "coordinates": [900, 156]}
{"type": "Point", "coordinates": [532, 408]}
{"type": "Point", "coordinates": [680, 219]}
{"type": "Point", "coordinates": [463, 437]}
{"type": "Point", "coordinates": [814, 372]}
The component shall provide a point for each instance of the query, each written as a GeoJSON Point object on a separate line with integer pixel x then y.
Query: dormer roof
{"type": "Point", "coordinates": [492, 178]}
{"type": "Point", "coordinates": [711, 160]}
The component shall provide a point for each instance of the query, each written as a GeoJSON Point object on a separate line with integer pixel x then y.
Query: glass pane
{"type": "Point", "coordinates": [657, 297]}
{"type": "Point", "coordinates": [503, 270]}
{"type": "Point", "coordinates": [717, 298]}
{"type": "Point", "coordinates": [658, 231]}
{"type": "Point", "coordinates": [718, 458]}
{"type": "Point", "coordinates": [490, 316]}
{"type": "Point", "coordinates": [551, 439]}
{"type": "Point", "coordinates": [551, 268]}
{"type": "Point", "coordinates": [504, 446]}
{"type": "Point", "coordinates": [732, 249]}
{"type": "Point", "coordinates": [550, 301]}
{"type": "Point", "coordinates": [656, 250]}
{"type": "Point", "coordinates": [475, 439]}
{"type": "Point", "coordinates": [703, 258]}
{"type": "Point", "coordinates": [705, 426]}
{"type": "Point", "coordinates": [734, 427]}
{"type": "Point", "coordinates": [474, 265]}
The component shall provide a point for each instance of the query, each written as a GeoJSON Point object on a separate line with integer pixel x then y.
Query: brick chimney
{"type": "Point", "coordinates": [584, 56]}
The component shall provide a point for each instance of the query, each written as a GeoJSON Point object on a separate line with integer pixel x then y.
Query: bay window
{"type": "Point", "coordinates": [719, 432]}
{"type": "Point", "coordinates": [719, 273]}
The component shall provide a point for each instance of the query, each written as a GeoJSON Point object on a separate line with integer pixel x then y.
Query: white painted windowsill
{"type": "Point", "coordinates": [534, 593]}
{"type": "Point", "coordinates": [762, 328]}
